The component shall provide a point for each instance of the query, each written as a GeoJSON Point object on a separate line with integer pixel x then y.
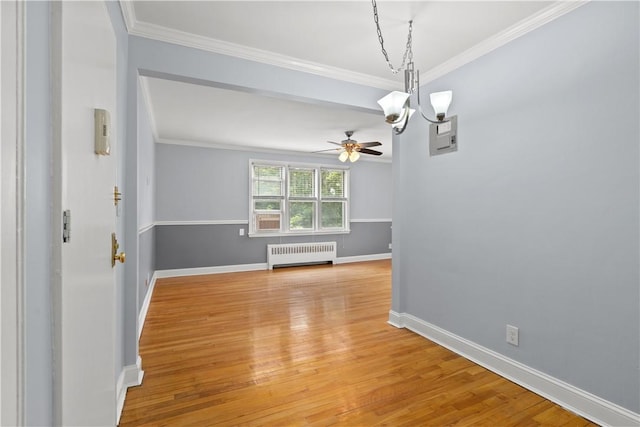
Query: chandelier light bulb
{"type": "Point", "coordinates": [354, 156]}
{"type": "Point", "coordinates": [395, 106]}
{"type": "Point", "coordinates": [343, 156]}
{"type": "Point", "coordinates": [440, 102]}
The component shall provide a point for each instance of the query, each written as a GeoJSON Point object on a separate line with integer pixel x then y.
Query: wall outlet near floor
{"type": "Point", "coordinates": [241, 232]}
{"type": "Point", "coordinates": [512, 335]}
{"type": "Point", "coordinates": [389, 245]}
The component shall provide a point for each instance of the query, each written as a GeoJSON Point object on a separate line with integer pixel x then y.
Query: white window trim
{"type": "Point", "coordinates": [285, 200]}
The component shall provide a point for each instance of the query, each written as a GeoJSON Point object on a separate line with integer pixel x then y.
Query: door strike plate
{"type": "Point", "coordinates": [66, 226]}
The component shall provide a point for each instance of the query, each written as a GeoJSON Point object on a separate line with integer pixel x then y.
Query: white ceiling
{"type": "Point", "coordinates": [336, 39]}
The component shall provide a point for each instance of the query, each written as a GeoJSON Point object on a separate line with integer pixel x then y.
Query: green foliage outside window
{"type": "Point", "coordinates": [301, 182]}
{"type": "Point", "coordinates": [332, 183]}
{"type": "Point", "coordinates": [301, 215]}
{"type": "Point", "coordinates": [267, 205]}
{"type": "Point", "coordinates": [332, 215]}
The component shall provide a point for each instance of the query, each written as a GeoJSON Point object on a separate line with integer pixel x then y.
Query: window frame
{"type": "Point", "coordinates": [286, 199]}
{"type": "Point", "coordinates": [344, 199]}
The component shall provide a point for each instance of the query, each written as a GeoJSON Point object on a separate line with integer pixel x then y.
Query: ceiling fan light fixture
{"type": "Point", "coordinates": [350, 149]}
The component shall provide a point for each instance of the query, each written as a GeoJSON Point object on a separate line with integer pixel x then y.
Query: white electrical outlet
{"type": "Point", "coordinates": [389, 245]}
{"type": "Point", "coordinates": [512, 335]}
{"type": "Point", "coordinates": [241, 232]}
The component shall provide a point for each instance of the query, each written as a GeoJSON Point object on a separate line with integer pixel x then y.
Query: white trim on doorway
{"type": "Point", "coordinates": [130, 376]}
{"type": "Point", "coordinates": [12, 332]}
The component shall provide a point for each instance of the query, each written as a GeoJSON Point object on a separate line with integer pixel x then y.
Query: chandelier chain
{"type": "Point", "coordinates": [408, 51]}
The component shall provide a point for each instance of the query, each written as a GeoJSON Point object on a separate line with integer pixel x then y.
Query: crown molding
{"type": "Point", "coordinates": [157, 32]}
{"type": "Point", "coordinates": [217, 146]}
{"type": "Point", "coordinates": [523, 27]}
{"type": "Point", "coordinates": [129, 14]}
{"type": "Point", "coordinates": [170, 35]}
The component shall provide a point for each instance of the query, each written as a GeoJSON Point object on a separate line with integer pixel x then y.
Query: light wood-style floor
{"type": "Point", "coordinates": [309, 346]}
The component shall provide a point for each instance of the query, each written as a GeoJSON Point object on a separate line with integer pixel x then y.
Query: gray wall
{"type": "Point", "coordinates": [146, 164]}
{"type": "Point", "coordinates": [118, 148]}
{"type": "Point", "coordinates": [191, 246]}
{"type": "Point", "coordinates": [195, 183]}
{"type": "Point", "coordinates": [147, 263]}
{"type": "Point", "coordinates": [535, 221]}
{"type": "Point", "coordinates": [38, 154]}
{"type": "Point", "coordinates": [205, 184]}
{"type": "Point", "coordinates": [146, 199]}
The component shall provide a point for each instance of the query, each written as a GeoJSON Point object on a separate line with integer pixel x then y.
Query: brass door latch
{"type": "Point", "coordinates": [116, 195]}
{"type": "Point", "coordinates": [115, 256]}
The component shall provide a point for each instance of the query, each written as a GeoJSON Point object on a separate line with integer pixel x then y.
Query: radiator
{"type": "Point", "coordinates": [298, 253]}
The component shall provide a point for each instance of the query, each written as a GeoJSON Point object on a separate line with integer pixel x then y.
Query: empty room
{"type": "Point", "coordinates": [320, 213]}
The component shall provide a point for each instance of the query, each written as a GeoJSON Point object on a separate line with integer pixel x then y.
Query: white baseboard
{"type": "Point", "coordinates": [130, 376]}
{"type": "Point", "coordinates": [576, 400]}
{"type": "Point", "coordinates": [161, 274]}
{"type": "Point", "coordinates": [361, 258]}
{"type": "Point", "coordinates": [142, 316]}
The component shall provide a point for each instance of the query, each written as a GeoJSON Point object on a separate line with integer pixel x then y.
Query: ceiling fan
{"type": "Point", "coordinates": [351, 149]}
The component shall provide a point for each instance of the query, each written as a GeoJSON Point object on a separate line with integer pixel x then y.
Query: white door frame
{"type": "Point", "coordinates": [12, 91]}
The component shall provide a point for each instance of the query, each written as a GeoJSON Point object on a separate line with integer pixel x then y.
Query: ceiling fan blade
{"type": "Point", "coordinates": [367, 151]}
{"type": "Point", "coordinates": [335, 143]}
{"type": "Point", "coordinates": [369, 144]}
{"type": "Point", "coordinates": [330, 149]}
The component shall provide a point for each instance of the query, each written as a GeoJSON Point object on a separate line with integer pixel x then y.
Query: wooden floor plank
{"type": "Point", "coordinates": [309, 346]}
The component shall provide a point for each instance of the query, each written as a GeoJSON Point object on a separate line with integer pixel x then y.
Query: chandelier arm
{"type": "Point", "coordinates": [408, 51]}
{"type": "Point", "coordinates": [404, 125]}
{"type": "Point", "coordinates": [399, 132]}
{"type": "Point", "coordinates": [427, 118]}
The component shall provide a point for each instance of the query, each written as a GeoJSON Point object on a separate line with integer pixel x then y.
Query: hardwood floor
{"type": "Point", "coordinates": [309, 346]}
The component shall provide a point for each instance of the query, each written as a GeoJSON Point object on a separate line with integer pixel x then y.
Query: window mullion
{"type": "Point", "coordinates": [285, 208]}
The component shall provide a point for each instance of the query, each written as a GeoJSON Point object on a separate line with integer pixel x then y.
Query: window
{"type": "Point", "coordinates": [332, 199]}
{"type": "Point", "coordinates": [290, 199]}
{"type": "Point", "coordinates": [268, 194]}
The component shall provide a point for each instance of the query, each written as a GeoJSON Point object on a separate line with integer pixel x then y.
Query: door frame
{"type": "Point", "coordinates": [84, 384]}
{"type": "Point", "coordinates": [12, 191]}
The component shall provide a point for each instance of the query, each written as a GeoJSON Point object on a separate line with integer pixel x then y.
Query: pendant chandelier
{"type": "Point", "coordinates": [396, 105]}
